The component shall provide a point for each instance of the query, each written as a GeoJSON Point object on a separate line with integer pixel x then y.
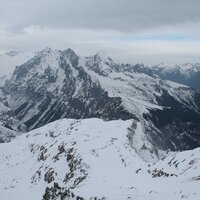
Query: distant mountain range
{"type": "Point", "coordinates": [137, 112]}
{"type": "Point", "coordinates": [187, 74]}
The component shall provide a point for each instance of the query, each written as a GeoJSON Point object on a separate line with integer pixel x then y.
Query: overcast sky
{"type": "Point", "coordinates": [148, 31]}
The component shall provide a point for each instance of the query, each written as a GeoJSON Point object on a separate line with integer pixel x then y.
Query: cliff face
{"type": "Point", "coordinates": [59, 84]}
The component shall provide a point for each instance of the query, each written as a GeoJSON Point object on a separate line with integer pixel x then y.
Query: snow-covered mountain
{"type": "Point", "coordinates": [187, 74]}
{"type": "Point", "coordinates": [128, 149]}
{"type": "Point", "coordinates": [52, 85]}
{"type": "Point", "coordinates": [9, 60]}
{"type": "Point", "coordinates": [56, 84]}
{"type": "Point", "coordinates": [10, 125]}
{"type": "Point", "coordinates": [92, 159]}
{"type": "Point", "coordinates": [6, 134]}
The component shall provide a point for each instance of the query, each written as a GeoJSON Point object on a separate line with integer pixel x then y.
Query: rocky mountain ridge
{"type": "Point", "coordinates": [57, 84]}
{"type": "Point", "coordinates": [187, 74]}
{"type": "Point", "coordinates": [122, 138]}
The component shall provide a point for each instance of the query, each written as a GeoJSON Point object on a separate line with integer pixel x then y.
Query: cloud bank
{"type": "Point", "coordinates": [126, 29]}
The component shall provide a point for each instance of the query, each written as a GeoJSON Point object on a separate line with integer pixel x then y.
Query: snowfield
{"type": "Point", "coordinates": [93, 158]}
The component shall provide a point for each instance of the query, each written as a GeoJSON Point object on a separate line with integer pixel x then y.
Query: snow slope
{"type": "Point", "coordinates": [92, 158]}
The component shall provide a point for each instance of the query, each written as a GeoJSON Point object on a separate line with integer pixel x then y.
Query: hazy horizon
{"type": "Point", "coordinates": [147, 31]}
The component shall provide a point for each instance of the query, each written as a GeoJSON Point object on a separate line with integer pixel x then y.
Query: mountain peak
{"type": "Point", "coordinates": [100, 63]}
{"type": "Point", "coordinates": [46, 50]}
{"type": "Point", "coordinates": [71, 55]}
{"type": "Point", "coordinates": [69, 52]}
{"type": "Point", "coordinates": [102, 56]}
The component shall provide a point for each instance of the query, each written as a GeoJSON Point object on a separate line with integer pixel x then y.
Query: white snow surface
{"type": "Point", "coordinates": [102, 156]}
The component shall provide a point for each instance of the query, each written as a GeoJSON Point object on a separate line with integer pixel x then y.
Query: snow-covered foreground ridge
{"type": "Point", "coordinates": [92, 159]}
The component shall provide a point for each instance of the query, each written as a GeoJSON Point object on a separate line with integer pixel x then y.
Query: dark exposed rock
{"type": "Point", "coordinates": [55, 85]}
{"type": "Point", "coordinates": [63, 100]}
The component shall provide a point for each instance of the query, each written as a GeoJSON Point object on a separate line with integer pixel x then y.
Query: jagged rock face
{"type": "Point", "coordinates": [10, 126]}
{"type": "Point", "coordinates": [170, 112]}
{"type": "Point", "coordinates": [52, 85]}
{"type": "Point", "coordinates": [176, 127]}
{"type": "Point", "coordinates": [100, 64]}
{"type": "Point", "coordinates": [8, 118]}
{"type": "Point", "coordinates": [188, 74]}
{"type": "Point", "coordinates": [8, 62]}
{"type": "Point", "coordinates": [176, 118]}
{"type": "Point", "coordinates": [6, 134]}
{"type": "Point", "coordinates": [58, 84]}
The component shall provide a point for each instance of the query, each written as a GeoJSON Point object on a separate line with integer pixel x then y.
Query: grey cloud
{"type": "Point", "coordinates": [121, 15]}
{"type": "Point", "coordinates": [88, 26]}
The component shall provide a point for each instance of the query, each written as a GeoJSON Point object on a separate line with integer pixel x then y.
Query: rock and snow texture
{"type": "Point", "coordinates": [138, 91]}
{"type": "Point", "coordinates": [188, 74]}
{"type": "Point", "coordinates": [52, 85]}
{"type": "Point", "coordinates": [10, 125]}
{"type": "Point", "coordinates": [96, 159]}
{"type": "Point", "coordinates": [56, 84]}
{"type": "Point", "coordinates": [92, 159]}
{"type": "Point", "coordinates": [8, 62]}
